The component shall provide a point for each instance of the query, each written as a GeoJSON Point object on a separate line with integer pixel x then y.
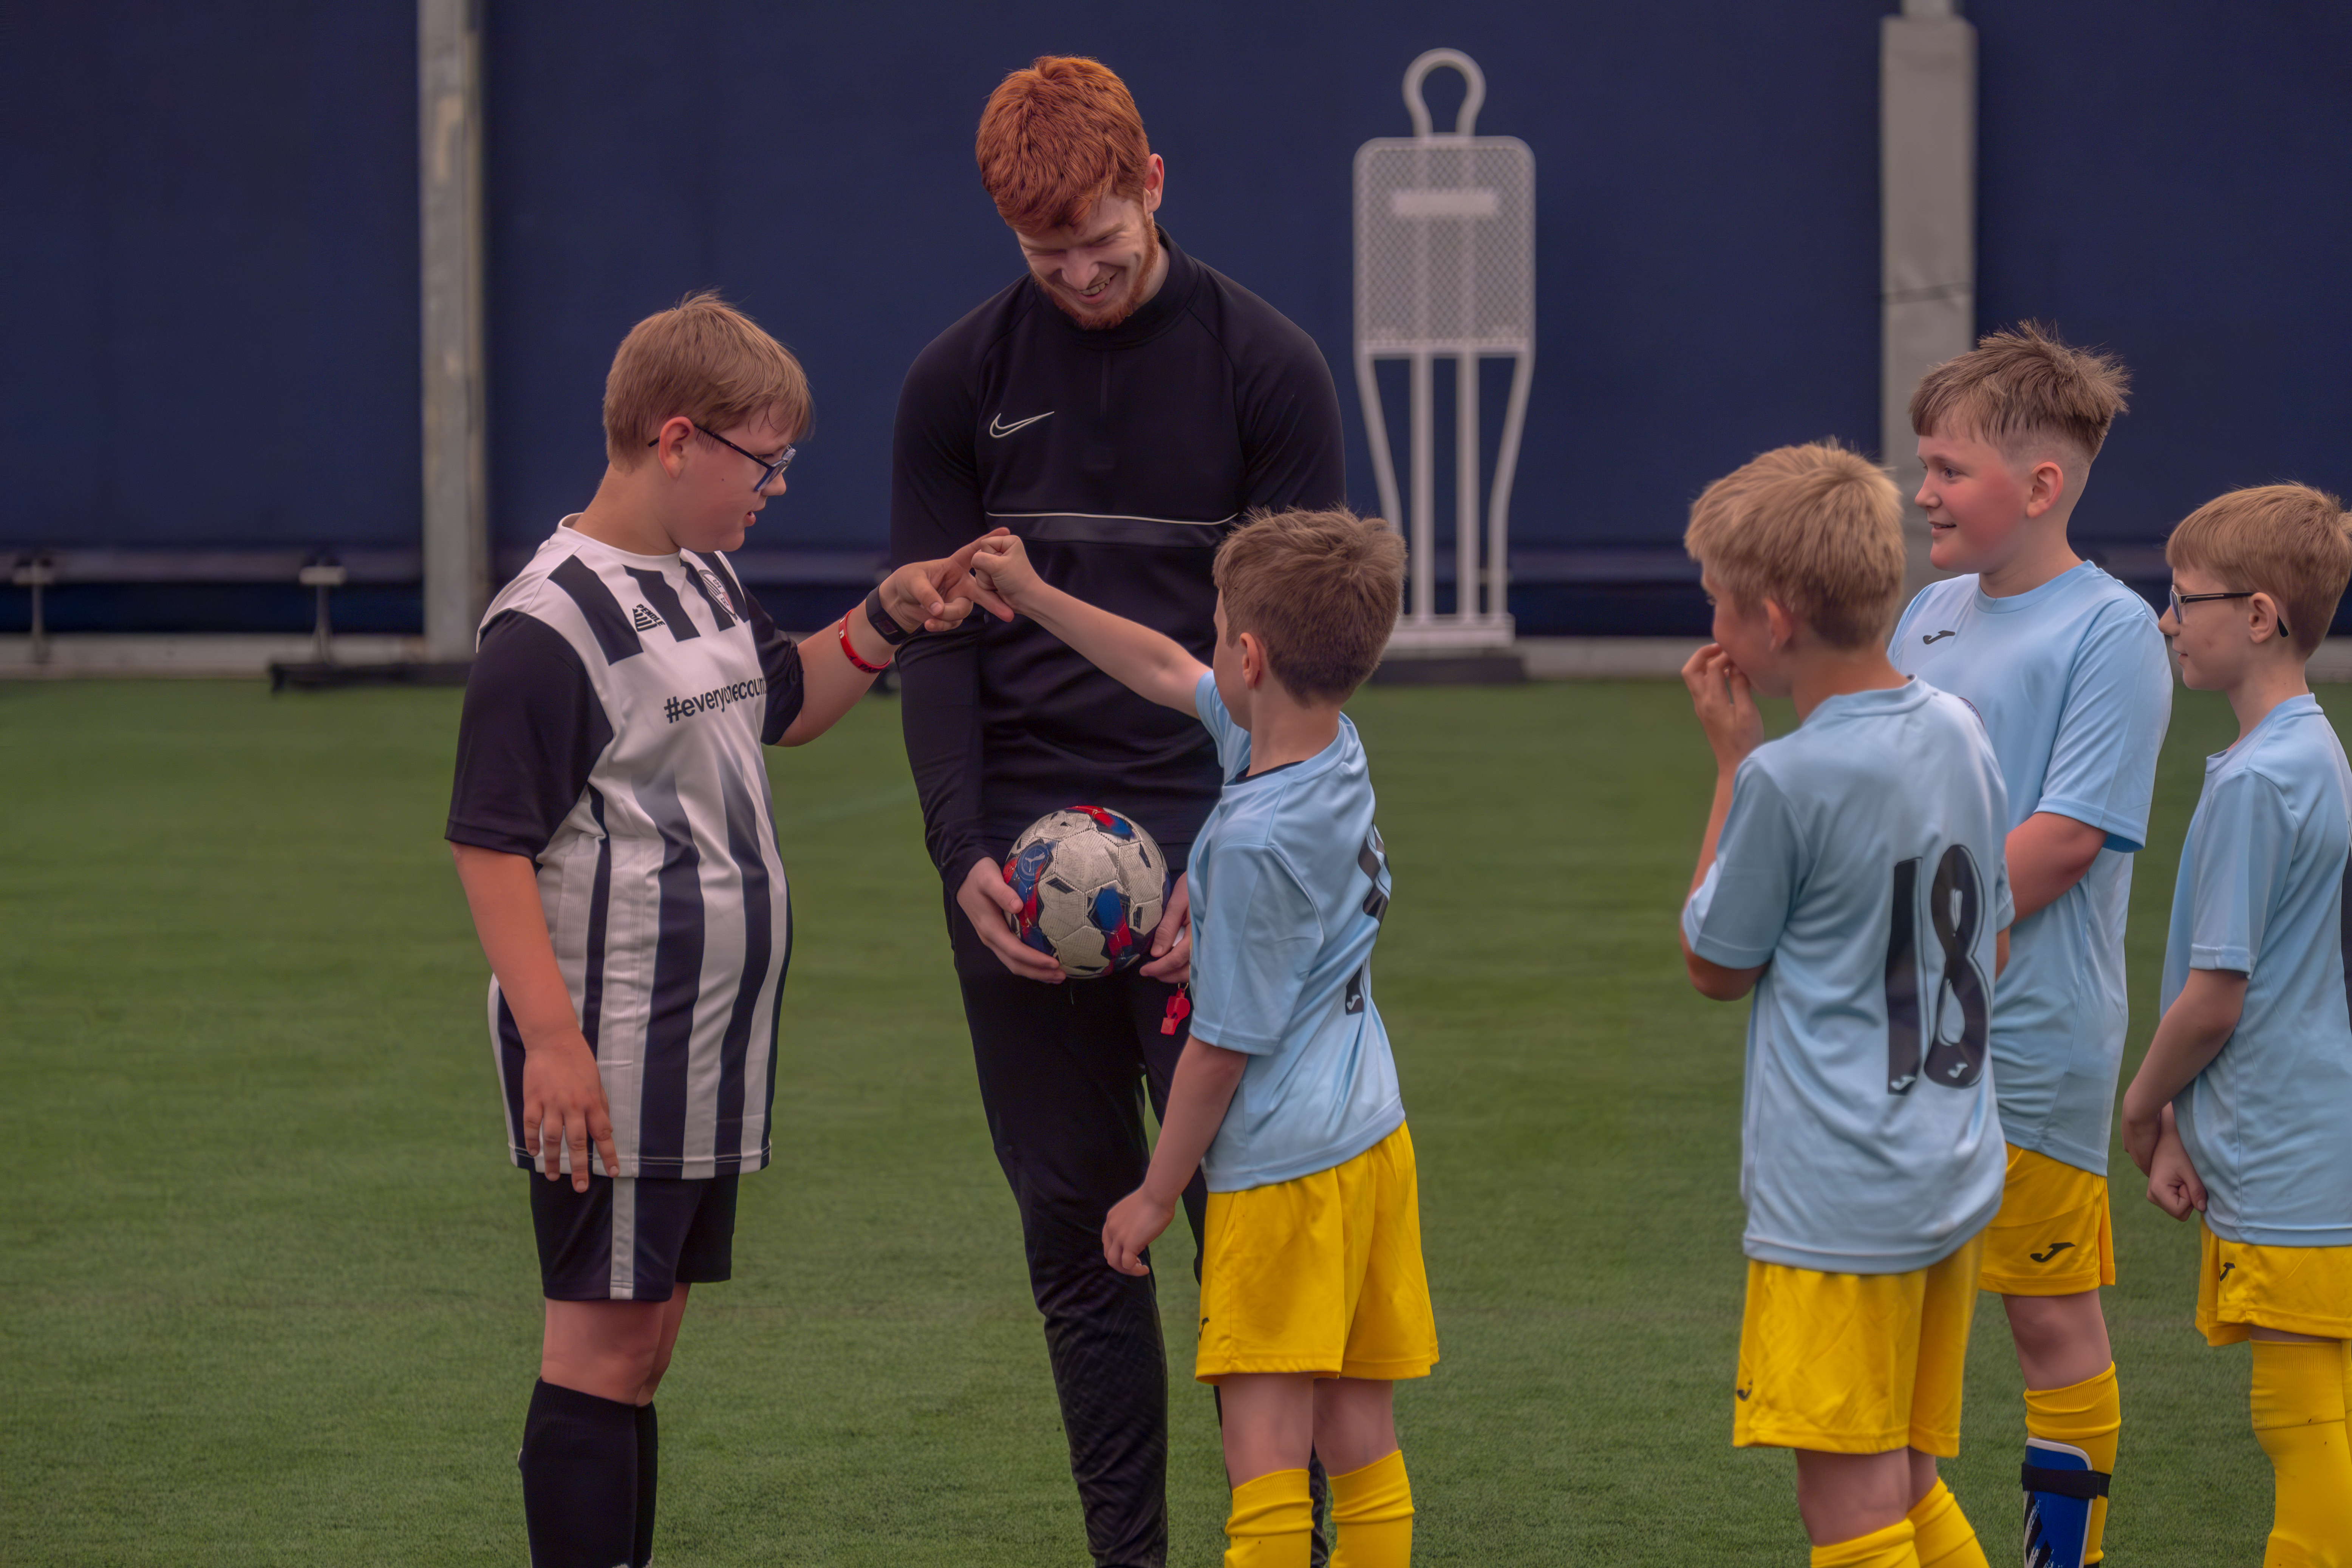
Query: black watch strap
{"type": "Point", "coordinates": [884, 626]}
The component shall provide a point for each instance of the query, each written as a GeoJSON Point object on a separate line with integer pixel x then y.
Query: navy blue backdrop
{"type": "Point", "coordinates": [209, 243]}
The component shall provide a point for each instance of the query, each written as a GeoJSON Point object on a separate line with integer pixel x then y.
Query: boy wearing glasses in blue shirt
{"type": "Point", "coordinates": [612, 827]}
{"type": "Point", "coordinates": [2240, 1107]}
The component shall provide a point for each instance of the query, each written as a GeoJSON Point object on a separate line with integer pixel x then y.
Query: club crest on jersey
{"type": "Point", "coordinates": [719, 591]}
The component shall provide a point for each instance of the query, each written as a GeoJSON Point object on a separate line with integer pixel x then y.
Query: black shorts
{"type": "Point", "coordinates": [636, 1239]}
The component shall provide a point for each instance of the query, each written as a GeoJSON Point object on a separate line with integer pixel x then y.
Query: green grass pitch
{"type": "Point", "coordinates": [269, 1295]}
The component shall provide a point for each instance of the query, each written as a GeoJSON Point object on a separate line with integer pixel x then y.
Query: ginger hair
{"type": "Point", "coordinates": [2291, 541]}
{"type": "Point", "coordinates": [2021, 384]}
{"type": "Point", "coordinates": [707, 361]}
{"type": "Point", "coordinates": [1817, 529]}
{"type": "Point", "coordinates": [1320, 590]}
{"type": "Point", "coordinates": [1057, 138]}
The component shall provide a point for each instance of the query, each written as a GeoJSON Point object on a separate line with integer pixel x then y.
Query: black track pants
{"type": "Point", "coordinates": [1063, 1074]}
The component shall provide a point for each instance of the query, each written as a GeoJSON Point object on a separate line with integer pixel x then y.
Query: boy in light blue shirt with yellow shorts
{"type": "Point", "coordinates": [2066, 666]}
{"type": "Point", "coordinates": [1851, 877]}
{"type": "Point", "coordinates": [1313, 1298]}
{"type": "Point", "coordinates": [2242, 1107]}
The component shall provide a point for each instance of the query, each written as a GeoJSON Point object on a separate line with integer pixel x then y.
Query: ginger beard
{"type": "Point", "coordinates": [1119, 300]}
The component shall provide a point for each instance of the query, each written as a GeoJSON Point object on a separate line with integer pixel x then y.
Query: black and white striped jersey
{"type": "Point", "coordinates": [613, 733]}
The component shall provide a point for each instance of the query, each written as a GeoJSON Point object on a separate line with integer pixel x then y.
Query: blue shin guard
{"type": "Point", "coordinates": [2060, 1486]}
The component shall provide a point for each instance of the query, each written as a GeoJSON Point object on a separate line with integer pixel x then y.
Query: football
{"type": "Point", "coordinates": [1090, 883]}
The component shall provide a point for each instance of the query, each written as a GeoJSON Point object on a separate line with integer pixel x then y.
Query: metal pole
{"type": "Point", "coordinates": [450, 180]}
{"type": "Point", "coordinates": [1466, 486]}
{"type": "Point", "coordinates": [1506, 464]}
{"type": "Point", "coordinates": [1376, 437]}
{"type": "Point", "coordinates": [1927, 137]}
{"type": "Point", "coordinates": [35, 573]}
{"type": "Point", "coordinates": [1424, 489]}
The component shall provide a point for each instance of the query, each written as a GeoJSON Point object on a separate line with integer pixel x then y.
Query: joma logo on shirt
{"type": "Point", "coordinates": [676, 707]}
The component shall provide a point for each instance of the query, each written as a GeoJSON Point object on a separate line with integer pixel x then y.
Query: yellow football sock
{"type": "Point", "coordinates": [1889, 1548]}
{"type": "Point", "coordinates": [1371, 1515]}
{"type": "Point", "coordinates": [2299, 1419]}
{"type": "Point", "coordinates": [1946, 1539]}
{"type": "Point", "coordinates": [1271, 1522]}
{"type": "Point", "coordinates": [2089, 1415]}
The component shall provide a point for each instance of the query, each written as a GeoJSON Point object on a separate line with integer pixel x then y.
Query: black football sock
{"type": "Point", "coordinates": [579, 1469]}
{"type": "Point", "coordinates": [648, 1477]}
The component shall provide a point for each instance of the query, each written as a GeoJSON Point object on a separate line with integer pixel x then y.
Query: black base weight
{"type": "Point", "coordinates": [330, 677]}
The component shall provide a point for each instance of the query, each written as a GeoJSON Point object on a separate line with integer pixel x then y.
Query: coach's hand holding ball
{"type": "Point", "coordinates": [1171, 938]}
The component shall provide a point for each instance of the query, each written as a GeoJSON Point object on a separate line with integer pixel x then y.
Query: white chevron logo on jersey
{"type": "Point", "coordinates": [644, 617]}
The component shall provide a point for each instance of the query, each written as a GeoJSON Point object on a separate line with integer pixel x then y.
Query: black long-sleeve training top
{"type": "Point", "coordinates": [1121, 457]}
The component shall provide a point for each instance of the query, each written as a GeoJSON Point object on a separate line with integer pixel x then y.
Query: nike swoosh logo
{"type": "Point", "coordinates": [999, 429]}
{"type": "Point", "coordinates": [1937, 637]}
{"type": "Point", "coordinates": [2055, 1248]}
{"type": "Point", "coordinates": [1743, 1391]}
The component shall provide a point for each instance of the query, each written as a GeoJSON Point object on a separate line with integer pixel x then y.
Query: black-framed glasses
{"type": "Point", "coordinates": [2179, 598]}
{"type": "Point", "coordinates": [768, 473]}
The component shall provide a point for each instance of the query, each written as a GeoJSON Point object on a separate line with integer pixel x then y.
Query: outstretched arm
{"type": "Point", "coordinates": [1151, 666]}
{"type": "Point", "coordinates": [921, 596]}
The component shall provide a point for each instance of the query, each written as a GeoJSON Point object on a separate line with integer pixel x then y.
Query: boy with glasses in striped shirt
{"type": "Point", "coordinates": [612, 827]}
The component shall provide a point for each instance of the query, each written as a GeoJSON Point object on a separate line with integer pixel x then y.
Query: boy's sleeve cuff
{"type": "Point", "coordinates": [1713, 951]}
{"type": "Point", "coordinates": [2124, 832]}
{"type": "Point", "coordinates": [1211, 1031]}
{"type": "Point", "coordinates": [503, 841]}
{"type": "Point", "coordinates": [2233, 958]}
{"type": "Point", "coordinates": [1730, 957]}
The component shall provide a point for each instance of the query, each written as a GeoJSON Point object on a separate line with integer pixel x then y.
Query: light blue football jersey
{"type": "Point", "coordinates": [2268, 1123]}
{"type": "Point", "coordinates": [2071, 683]}
{"type": "Point", "coordinates": [1289, 883]}
{"type": "Point", "coordinates": [1862, 864]}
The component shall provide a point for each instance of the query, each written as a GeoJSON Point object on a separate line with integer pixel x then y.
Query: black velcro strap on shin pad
{"type": "Point", "coordinates": [2063, 1483]}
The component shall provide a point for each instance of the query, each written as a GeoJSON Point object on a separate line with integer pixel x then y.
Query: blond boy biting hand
{"type": "Point", "coordinates": [1851, 877]}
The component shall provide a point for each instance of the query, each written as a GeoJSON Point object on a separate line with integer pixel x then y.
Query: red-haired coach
{"type": "Point", "coordinates": [1121, 408]}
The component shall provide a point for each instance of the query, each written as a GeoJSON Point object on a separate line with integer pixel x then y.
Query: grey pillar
{"type": "Point", "coordinates": [1927, 182]}
{"type": "Point", "coordinates": [450, 189]}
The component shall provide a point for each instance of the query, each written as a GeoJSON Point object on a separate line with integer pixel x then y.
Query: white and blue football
{"type": "Point", "coordinates": [1091, 885]}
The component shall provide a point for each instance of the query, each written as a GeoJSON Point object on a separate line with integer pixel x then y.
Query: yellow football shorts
{"type": "Point", "coordinates": [2050, 1236]}
{"type": "Point", "coordinates": [1320, 1275]}
{"type": "Point", "coordinates": [2243, 1285]}
{"type": "Point", "coordinates": [1855, 1363]}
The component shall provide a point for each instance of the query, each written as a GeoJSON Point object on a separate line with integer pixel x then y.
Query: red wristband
{"type": "Point", "coordinates": [852, 653]}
